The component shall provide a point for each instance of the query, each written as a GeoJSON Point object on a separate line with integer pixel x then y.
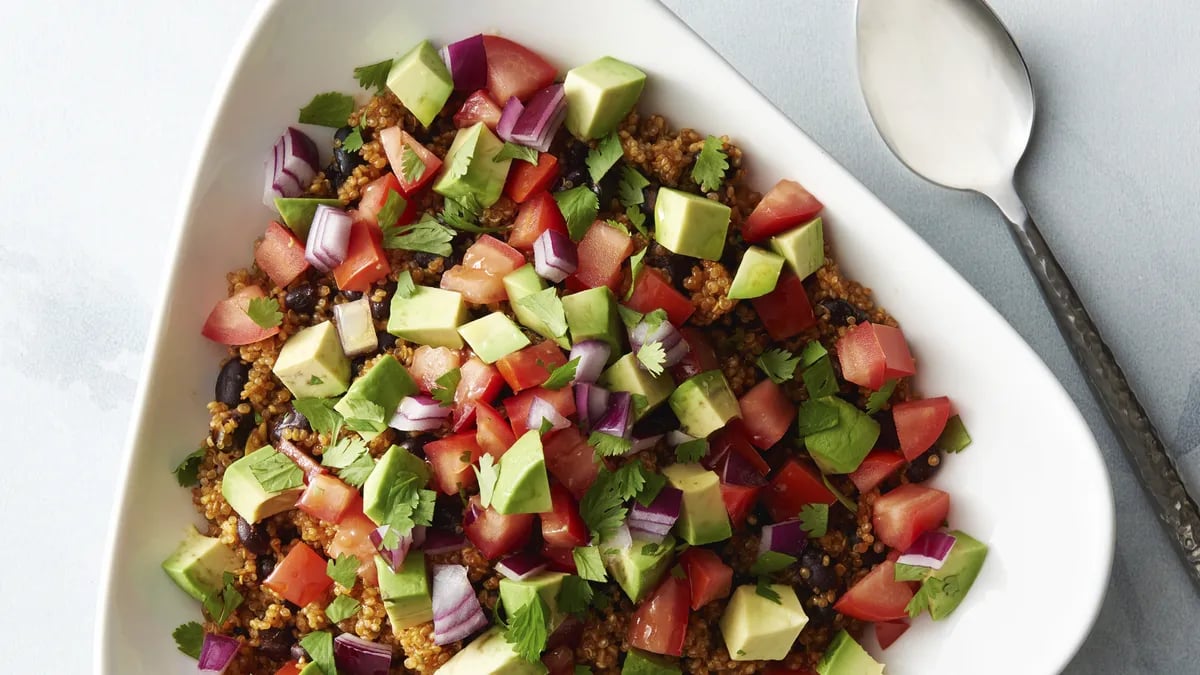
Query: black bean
{"type": "Point", "coordinates": [887, 429]}
{"type": "Point", "coordinates": [298, 652]}
{"type": "Point", "coordinates": [352, 295]}
{"type": "Point", "coordinates": [386, 340]}
{"type": "Point", "coordinates": [264, 565]}
{"type": "Point", "coordinates": [254, 536]}
{"type": "Point", "coordinates": [448, 513]}
{"type": "Point", "coordinates": [302, 299]}
{"type": "Point", "coordinates": [356, 363]}
{"type": "Point", "coordinates": [681, 268]}
{"type": "Point", "coordinates": [231, 380]}
{"type": "Point", "coordinates": [380, 309]}
{"type": "Point", "coordinates": [820, 576]}
{"type": "Point", "coordinates": [344, 161]}
{"type": "Point", "coordinates": [574, 178]}
{"type": "Point", "coordinates": [292, 419]}
{"type": "Point", "coordinates": [241, 434]}
{"type": "Point", "coordinates": [342, 133]}
{"type": "Point", "coordinates": [658, 421]}
{"type": "Point", "coordinates": [820, 616]}
{"type": "Point", "coordinates": [606, 189]}
{"type": "Point", "coordinates": [840, 311]}
{"type": "Point", "coordinates": [276, 643]}
{"type": "Point", "coordinates": [651, 194]}
{"type": "Point", "coordinates": [924, 467]}
{"type": "Point", "coordinates": [424, 259]}
{"type": "Point", "coordinates": [575, 154]}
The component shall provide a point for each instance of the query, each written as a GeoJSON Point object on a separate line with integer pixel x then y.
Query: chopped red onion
{"type": "Point", "coordinates": [929, 550]}
{"type": "Point", "coordinates": [649, 532]}
{"type": "Point", "coordinates": [217, 653]}
{"type": "Point", "coordinates": [676, 438]}
{"type": "Point", "coordinates": [393, 556]}
{"type": "Point", "coordinates": [554, 256]}
{"type": "Point", "coordinates": [734, 469]}
{"type": "Point", "coordinates": [355, 656]}
{"type": "Point", "coordinates": [592, 355]}
{"type": "Point", "coordinates": [541, 118]}
{"type": "Point", "coordinates": [541, 410]}
{"type": "Point", "coordinates": [329, 238]}
{"type": "Point", "coordinates": [616, 418]}
{"type": "Point", "coordinates": [663, 511]}
{"type": "Point", "coordinates": [508, 118]}
{"type": "Point", "coordinates": [455, 607]}
{"type": "Point", "coordinates": [784, 537]}
{"type": "Point", "coordinates": [419, 413]}
{"type": "Point", "coordinates": [440, 541]}
{"type": "Point", "coordinates": [521, 566]}
{"type": "Point", "coordinates": [665, 333]}
{"type": "Point", "coordinates": [590, 402]}
{"type": "Point", "coordinates": [467, 62]}
{"type": "Point", "coordinates": [293, 163]}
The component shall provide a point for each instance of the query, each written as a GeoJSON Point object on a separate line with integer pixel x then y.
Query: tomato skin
{"type": "Point", "coordinates": [708, 578]}
{"type": "Point", "coordinates": [354, 538]}
{"type": "Point", "coordinates": [479, 107]}
{"type": "Point", "coordinates": [794, 486]}
{"type": "Point", "coordinates": [522, 370]}
{"type": "Point", "coordinates": [767, 413]}
{"type": "Point", "coordinates": [445, 456]}
{"type": "Point", "coordinates": [784, 206]}
{"type": "Point", "coordinates": [735, 437]}
{"type": "Point", "coordinates": [525, 179]}
{"type": "Point", "coordinates": [492, 431]}
{"type": "Point", "coordinates": [478, 381]}
{"type": "Point", "coordinates": [517, 407]}
{"type": "Point", "coordinates": [903, 514]}
{"type": "Point", "coordinates": [229, 324]}
{"type": "Point", "coordinates": [480, 277]}
{"type": "Point", "coordinates": [289, 668]}
{"type": "Point", "coordinates": [538, 214]}
{"type": "Point", "coordinates": [919, 423]}
{"type": "Point", "coordinates": [887, 632]}
{"type": "Point", "coordinates": [739, 501]}
{"type": "Point", "coordinates": [560, 559]}
{"type": "Point", "coordinates": [786, 311]}
{"type": "Point", "coordinates": [652, 291]}
{"type": "Point", "coordinates": [430, 363]}
{"type": "Point", "coordinates": [870, 354]}
{"type": "Point", "coordinates": [493, 534]}
{"type": "Point", "coordinates": [562, 526]}
{"type": "Point", "coordinates": [281, 255]}
{"type": "Point", "coordinates": [877, 596]}
{"type": "Point", "coordinates": [514, 70]}
{"type": "Point", "coordinates": [570, 460]}
{"type": "Point", "coordinates": [602, 251]}
{"type": "Point", "coordinates": [375, 195]}
{"type": "Point", "coordinates": [876, 468]}
{"type": "Point", "coordinates": [327, 498]}
{"type": "Point", "coordinates": [700, 357]}
{"type": "Point", "coordinates": [394, 140]}
{"type": "Point", "coordinates": [659, 624]}
{"type": "Point", "coordinates": [366, 262]}
{"type": "Point", "coordinates": [300, 577]}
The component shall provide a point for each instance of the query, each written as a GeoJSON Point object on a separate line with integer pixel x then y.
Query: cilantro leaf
{"type": "Point", "coordinates": [635, 268]}
{"type": "Point", "coordinates": [604, 156]}
{"type": "Point", "coordinates": [711, 165]}
{"type": "Point", "coordinates": [412, 167]}
{"type": "Point", "coordinates": [602, 507]}
{"type": "Point", "coordinates": [343, 607]}
{"type": "Point", "coordinates": [407, 504]}
{"type": "Point", "coordinates": [528, 629]}
{"type": "Point", "coordinates": [426, 235]}
{"type": "Point", "coordinates": [488, 473]}
{"type": "Point", "coordinates": [819, 379]}
{"type": "Point", "coordinates": [607, 445]}
{"type": "Point", "coordinates": [320, 414]}
{"type": "Point", "coordinates": [330, 109]}
{"type": "Point", "coordinates": [353, 141]}
{"type": "Point", "coordinates": [189, 638]}
{"type": "Point", "coordinates": [405, 288]}
{"type": "Point", "coordinates": [654, 484]}
{"type": "Point", "coordinates": [922, 598]}
{"type": "Point", "coordinates": [911, 572]}
{"type": "Point", "coordinates": [221, 604]}
{"type": "Point", "coordinates": [314, 380]}
{"type": "Point", "coordinates": [374, 77]}
{"type": "Point", "coordinates": [630, 480]}
{"type": "Point", "coordinates": [589, 564]}
{"type": "Point", "coordinates": [814, 519]}
{"type": "Point", "coordinates": [447, 384]}
{"type": "Point", "coordinates": [651, 357]}
{"type": "Point", "coordinates": [763, 588]}
{"type": "Point", "coordinates": [513, 151]}
{"type": "Point", "coordinates": [562, 375]}
{"type": "Point", "coordinates": [770, 562]}
{"type": "Point", "coordinates": [343, 570]}
{"type": "Point", "coordinates": [344, 453]}
{"type": "Point", "coordinates": [264, 312]}
{"type": "Point", "coordinates": [362, 410]}
{"type": "Point", "coordinates": [579, 207]}
{"type": "Point", "coordinates": [639, 403]}
{"type": "Point", "coordinates": [954, 437]}
{"type": "Point", "coordinates": [548, 307]}
{"type": "Point", "coordinates": [393, 207]}
{"type": "Point", "coordinates": [629, 188]}
{"type": "Point", "coordinates": [878, 399]}
{"type": "Point", "coordinates": [655, 319]}
{"type": "Point", "coordinates": [638, 219]}
{"type": "Point", "coordinates": [651, 548]}
{"type": "Point", "coordinates": [275, 472]}
{"type": "Point", "coordinates": [574, 596]}
{"type": "Point", "coordinates": [187, 474]}
{"type": "Point", "coordinates": [618, 225]}
{"type": "Point", "coordinates": [355, 474]}
{"type": "Point", "coordinates": [816, 416]}
{"type": "Point", "coordinates": [319, 646]}
{"type": "Point", "coordinates": [778, 364]}
{"type": "Point", "coordinates": [631, 318]}
{"type": "Point", "coordinates": [463, 215]}
{"type": "Point", "coordinates": [691, 451]}
{"type": "Point", "coordinates": [812, 352]}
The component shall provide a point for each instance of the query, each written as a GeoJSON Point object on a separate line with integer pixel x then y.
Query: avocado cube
{"type": "Point", "coordinates": [592, 315]}
{"type": "Point", "coordinates": [471, 169]}
{"type": "Point", "coordinates": [381, 388]}
{"type": "Point", "coordinates": [704, 403]}
{"type": "Point", "coordinates": [523, 485]}
{"type": "Point", "coordinates": [395, 464]}
{"type": "Point", "coordinates": [356, 327]}
{"type": "Point", "coordinates": [405, 593]}
{"type": "Point", "coordinates": [430, 316]}
{"type": "Point", "coordinates": [298, 212]}
{"type": "Point", "coordinates": [842, 448]}
{"type": "Point", "coordinates": [246, 495]}
{"type": "Point", "coordinates": [803, 247]}
{"type": "Point", "coordinates": [638, 568]}
{"type": "Point", "coordinates": [516, 594]}
{"type": "Point", "coordinates": [638, 662]}
{"type": "Point", "coordinates": [844, 655]}
{"type": "Point", "coordinates": [690, 224]}
{"type": "Point", "coordinates": [758, 629]}
{"type": "Point", "coordinates": [522, 283]}
{"type": "Point", "coordinates": [490, 654]}
{"type": "Point", "coordinates": [757, 274]}
{"type": "Point", "coordinates": [312, 668]}
{"type": "Point", "coordinates": [626, 375]}
{"type": "Point", "coordinates": [311, 363]}
{"type": "Point", "coordinates": [956, 576]}
{"type": "Point", "coordinates": [599, 95]}
{"type": "Point", "coordinates": [493, 337]}
{"type": "Point", "coordinates": [199, 564]}
{"type": "Point", "coordinates": [422, 82]}
{"type": "Point", "coordinates": [702, 518]}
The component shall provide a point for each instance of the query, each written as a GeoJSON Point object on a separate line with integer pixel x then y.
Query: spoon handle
{"type": "Point", "coordinates": [1143, 446]}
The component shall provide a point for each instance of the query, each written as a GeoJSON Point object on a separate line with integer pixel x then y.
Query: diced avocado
{"type": "Point", "coordinates": [756, 275]}
{"type": "Point", "coordinates": [639, 568]}
{"type": "Point", "coordinates": [599, 95]}
{"type": "Point", "coordinates": [199, 564]}
{"type": "Point", "coordinates": [298, 212]}
{"type": "Point", "coordinates": [248, 497]}
{"type": "Point", "coordinates": [405, 593]}
{"type": "Point", "coordinates": [842, 448]}
{"type": "Point", "coordinates": [395, 462]}
{"type": "Point", "coordinates": [626, 375]}
{"type": "Point", "coordinates": [311, 363]}
{"type": "Point", "coordinates": [356, 327]}
{"type": "Point", "coordinates": [514, 594]}
{"type": "Point", "coordinates": [523, 485]}
{"type": "Point", "coordinates": [592, 315]}
{"type": "Point", "coordinates": [471, 167]}
{"type": "Point", "coordinates": [493, 337]}
{"type": "Point", "coordinates": [638, 662]}
{"type": "Point", "coordinates": [312, 668]}
{"type": "Point", "coordinates": [846, 657]}
{"type": "Point", "coordinates": [704, 403]}
{"type": "Point", "coordinates": [945, 588]}
{"type": "Point", "coordinates": [490, 654]}
{"type": "Point", "coordinates": [523, 282]}
{"type": "Point", "coordinates": [690, 224]}
{"type": "Point", "coordinates": [803, 247]}
{"type": "Point", "coordinates": [757, 628]}
{"type": "Point", "coordinates": [421, 81]}
{"type": "Point", "coordinates": [702, 519]}
{"type": "Point", "coordinates": [430, 316]}
{"type": "Point", "coordinates": [383, 386]}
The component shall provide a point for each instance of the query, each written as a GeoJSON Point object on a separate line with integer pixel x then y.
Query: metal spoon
{"type": "Point", "coordinates": [950, 94]}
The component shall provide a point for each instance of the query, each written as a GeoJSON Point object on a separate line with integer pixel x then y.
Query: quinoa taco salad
{"type": "Point", "coordinates": [525, 380]}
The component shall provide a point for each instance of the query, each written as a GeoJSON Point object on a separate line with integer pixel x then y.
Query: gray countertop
{"type": "Point", "coordinates": [101, 112]}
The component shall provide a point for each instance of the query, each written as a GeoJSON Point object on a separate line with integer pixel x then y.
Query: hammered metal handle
{"type": "Point", "coordinates": [1143, 446]}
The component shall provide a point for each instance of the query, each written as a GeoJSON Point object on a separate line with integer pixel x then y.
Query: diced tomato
{"type": "Point", "coordinates": [478, 381]}
{"type": "Point", "coordinates": [517, 407]}
{"type": "Point", "coordinates": [652, 291]}
{"type": "Point", "coordinates": [493, 534]}
{"type": "Point", "coordinates": [354, 538]}
{"type": "Point", "coordinates": [559, 559]}
{"type": "Point", "coordinates": [739, 501]}
{"type": "Point", "coordinates": [734, 437]}
{"type": "Point", "coordinates": [562, 526]}
{"type": "Point", "coordinates": [876, 467]}
{"type": "Point", "coordinates": [785, 206]}
{"type": "Point", "coordinates": [229, 324]}
{"type": "Point", "coordinates": [794, 486]}
{"type": "Point", "coordinates": [281, 255]}
{"type": "Point", "coordinates": [559, 660]}
{"type": "Point", "coordinates": [525, 179]}
{"type": "Point", "coordinates": [538, 214]}
{"type": "Point", "coordinates": [660, 623]}
{"type": "Point", "coordinates": [395, 140]}
{"type": "Point", "coordinates": [451, 458]}
{"type": "Point", "coordinates": [492, 431]}
{"type": "Point", "coordinates": [327, 498]}
{"type": "Point", "coordinates": [877, 596]}
{"type": "Point", "coordinates": [870, 354]}
{"type": "Point", "coordinates": [708, 578]}
{"type": "Point", "coordinates": [602, 251]}
{"type": "Point", "coordinates": [289, 668]}
{"type": "Point", "coordinates": [700, 357]}
{"type": "Point", "coordinates": [530, 366]}
{"type": "Point", "coordinates": [375, 195]}
{"type": "Point", "coordinates": [903, 514]}
{"type": "Point", "coordinates": [480, 277]}
{"type": "Point", "coordinates": [514, 70]}
{"type": "Point", "coordinates": [786, 311]}
{"type": "Point", "coordinates": [479, 107]}
{"type": "Point", "coordinates": [767, 413]}
{"type": "Point", "coordinates": [919, 423]}
{"type": "Point", "coordinates": [887, 632]}
{"type": "Point", "coordinates": [571, 460]}
{"type": "Point", "coordinates": [366, 262]}
{"type": "Point", "coordinates": [300, 577]}
{"type": "Point", "coordinates": [430, 363]}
